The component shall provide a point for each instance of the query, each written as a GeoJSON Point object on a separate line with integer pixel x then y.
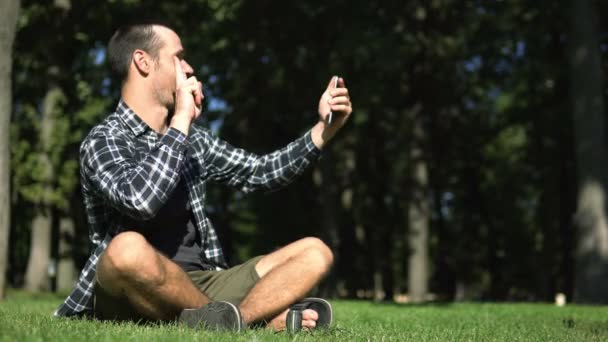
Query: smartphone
{"type": "Point", "coordinates": [330, 112]}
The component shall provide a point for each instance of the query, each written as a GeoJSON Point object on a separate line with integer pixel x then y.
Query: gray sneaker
{"type": "Point", "coordinates": [213, 316]}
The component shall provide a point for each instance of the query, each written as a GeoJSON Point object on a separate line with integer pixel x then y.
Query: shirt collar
{"type": "Point", "coordinates": [132, 120]}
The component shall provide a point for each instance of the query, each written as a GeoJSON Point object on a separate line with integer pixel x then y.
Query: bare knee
{"type": "Point", "coordinates": [318, 253]}
{"type": "Point", "coordinates": [130, 257]}
{"type": "Point", "coordinates": [314, 251]}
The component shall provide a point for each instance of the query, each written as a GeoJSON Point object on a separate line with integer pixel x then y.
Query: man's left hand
{"type": "Point", "coordinates": [334, 100]}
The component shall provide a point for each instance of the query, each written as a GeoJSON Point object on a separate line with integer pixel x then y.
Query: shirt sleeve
{"type": "Point", "coordinates": [250, 172]}
{"type": "Point", "coordinates": [138, 188]}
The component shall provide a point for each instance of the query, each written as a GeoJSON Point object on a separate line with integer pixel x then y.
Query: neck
{"type": "Point", "coordinates": [145, 105]}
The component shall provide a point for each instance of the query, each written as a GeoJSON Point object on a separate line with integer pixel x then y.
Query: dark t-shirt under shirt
{"type": "Point", "coordinates": [173, 233]}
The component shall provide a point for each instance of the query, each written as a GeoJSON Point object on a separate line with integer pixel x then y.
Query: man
{"type": "Point", "coordinates": [143, 174]}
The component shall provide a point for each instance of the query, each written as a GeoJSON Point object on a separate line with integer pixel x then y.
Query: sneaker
{"type": "Point", "coordinates": [213, 316]}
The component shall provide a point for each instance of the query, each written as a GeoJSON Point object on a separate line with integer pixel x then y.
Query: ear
{"type": "Point", "coordinates": [142, 62]}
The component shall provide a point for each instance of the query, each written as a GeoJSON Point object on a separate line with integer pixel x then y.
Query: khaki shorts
{"type": "Point", "coordinates": [231, 285]}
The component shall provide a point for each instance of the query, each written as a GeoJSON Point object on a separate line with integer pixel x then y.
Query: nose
{"type": "Point", "coordinates": [187, 68]}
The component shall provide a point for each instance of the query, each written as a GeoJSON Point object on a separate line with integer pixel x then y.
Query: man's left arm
{"type": "Point", "coordinates": [249, 172]}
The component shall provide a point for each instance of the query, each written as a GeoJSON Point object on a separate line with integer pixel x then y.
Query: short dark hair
{"type": "Point", "coordinates": [128, 39]}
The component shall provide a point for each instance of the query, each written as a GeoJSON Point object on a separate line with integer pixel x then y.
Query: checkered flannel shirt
{"type": "Point", "coordinates": [129, 169]}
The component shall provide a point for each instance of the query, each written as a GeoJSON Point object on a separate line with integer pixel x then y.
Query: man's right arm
{"type": "Point", "coordinates": [136, 188]}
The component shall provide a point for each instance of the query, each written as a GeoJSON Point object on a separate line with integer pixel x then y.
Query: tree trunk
{"type": "Point", "coordinates": [418, 215]}
{"type": "Point", "coordinates": [589, 129]}
{"type": "Point", "coordinates": [66, 270]}
{"type": "Point", "coordinates": [36, 277]}
{"type": "Point", "coordinates": [331, 211]}
{"type": "Point", "coordinates": [567, 205]}
{"type": "Point", "coordinates": [348, 250]}
{"type": "Point", "coordinates": [9, 12]}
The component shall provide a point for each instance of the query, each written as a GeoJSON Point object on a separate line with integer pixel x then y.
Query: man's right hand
{"type": "Point", "coordinates": [188, 98]}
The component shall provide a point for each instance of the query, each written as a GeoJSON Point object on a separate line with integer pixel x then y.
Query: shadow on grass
{"type": "Point", "coordinates": [594, 327]}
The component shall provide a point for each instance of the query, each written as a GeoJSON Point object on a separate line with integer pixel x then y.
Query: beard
{"type": "Point", "coordinates": [165, 97]}
{"type": "Point", "coordinates": [168, 101]}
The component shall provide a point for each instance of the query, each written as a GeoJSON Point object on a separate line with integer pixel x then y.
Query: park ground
{"type": "Point", "coordinates": [26, 317]}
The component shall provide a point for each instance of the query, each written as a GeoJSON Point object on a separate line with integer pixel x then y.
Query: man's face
{"type": "Point", "coordinates": [163, 74]}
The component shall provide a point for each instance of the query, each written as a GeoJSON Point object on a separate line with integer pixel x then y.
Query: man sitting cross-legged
{"type": "Point", "coordinates": [143, 174]}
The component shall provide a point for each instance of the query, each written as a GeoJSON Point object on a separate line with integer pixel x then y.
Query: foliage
{"type": "Point", "coordinates": [488, 78]}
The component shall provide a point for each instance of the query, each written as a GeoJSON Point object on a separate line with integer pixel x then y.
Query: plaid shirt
{"type": "Point", "coordinates": [129, 169]}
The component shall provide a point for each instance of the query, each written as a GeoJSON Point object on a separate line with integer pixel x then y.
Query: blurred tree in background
{"type": "Point", "coordinates": [590, 131]}
{"type": "Point", "coordinates": [456, 178]}
{"type": "Point", "coordinates": [9, 11]}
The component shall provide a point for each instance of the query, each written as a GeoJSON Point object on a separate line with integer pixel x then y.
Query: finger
{"type": "Point", "coordinates": [193, 89]}
{"type": "Point", "coordinates": [191, 85]}
{"type": "Point", "coordinates": [331, 83]}
{"type": "Point", "coordinates": [180, 75]}
{"type": "Point", "coordinates": [340, 108]}
{"type": "Point", "coordinates": [341, 83]}
{"type": "Point", "coordinates": [339, 100]}
{"type": "Point", "coordinates": [194, 86]}
{"type": "Point", "coordinates": [338, 92]}
{"type": "Point", "coordinates": [198, 96]}
{"type": "Point", "coordinates": [191, 81]}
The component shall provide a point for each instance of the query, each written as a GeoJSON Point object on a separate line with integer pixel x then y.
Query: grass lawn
{"type": "Point", "coordinates": [28, 318]}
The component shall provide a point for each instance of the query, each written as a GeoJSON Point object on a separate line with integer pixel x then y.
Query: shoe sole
{"type": "Point", "coordinates": [327, 306]}
{"type": "Point", "coordinates": [213, 316]}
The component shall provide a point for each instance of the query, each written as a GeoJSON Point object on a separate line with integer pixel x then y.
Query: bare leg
{"type": "Point", "coordinates": [155, 286]}
{"type": "Point", "coordinates": [287, 275]}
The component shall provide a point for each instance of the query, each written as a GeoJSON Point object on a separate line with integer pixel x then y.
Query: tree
{"type": "Point", "coordinates": [418, 215]}
{"type": "Point", "coordinates": [9, 12]}
{"type": "Point", "coordinates": [461, 102]}
{"type": "Point", "coordinates": [591, 155]}
{"type": "Point", "coordinates": [37, 275]}
{"type": "Point", "coordinates": [58, 100]}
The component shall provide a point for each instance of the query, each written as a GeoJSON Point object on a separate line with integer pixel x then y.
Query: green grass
{"type": "Point", "coordinates": [28, 318]}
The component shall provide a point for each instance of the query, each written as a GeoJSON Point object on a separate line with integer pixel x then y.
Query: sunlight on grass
{"type": "Point", "coordinates": [26, 317]}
